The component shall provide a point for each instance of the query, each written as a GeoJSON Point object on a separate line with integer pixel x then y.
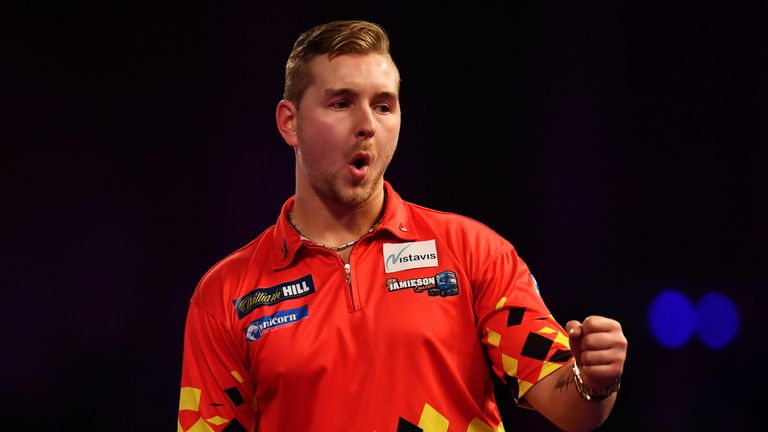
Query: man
{"type": "Point", "coordinates": [360, 311]}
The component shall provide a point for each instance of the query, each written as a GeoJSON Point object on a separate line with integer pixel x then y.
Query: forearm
{"type": "Point", "coordinates": [557, 398]}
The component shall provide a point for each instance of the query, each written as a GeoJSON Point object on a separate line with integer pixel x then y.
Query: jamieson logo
{"type": "Point", "coordinates": [404, 256]}
{"type": "Point", "coordinates": [269, 296]}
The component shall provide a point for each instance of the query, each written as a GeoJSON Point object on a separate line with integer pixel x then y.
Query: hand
{"type": "Point", "coordinates": [600, 349]}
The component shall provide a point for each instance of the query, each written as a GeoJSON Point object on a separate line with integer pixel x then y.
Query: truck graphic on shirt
{"type": "Point", "coordinates": [442, 284]}
{"type": "Point", "coordinates": [445, 285]}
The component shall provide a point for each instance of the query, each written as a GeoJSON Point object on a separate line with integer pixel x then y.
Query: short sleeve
{"type": "Point", "coordinates": [521, 337]}
{"type": "Point", "coordinates": [216, 390]}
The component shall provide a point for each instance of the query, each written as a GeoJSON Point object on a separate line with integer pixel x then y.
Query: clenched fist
{"type": "Point", "coordinates": [600, 349]}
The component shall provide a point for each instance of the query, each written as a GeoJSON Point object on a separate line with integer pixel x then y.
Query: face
{"type": "Point", "coordinates": [347, 128]}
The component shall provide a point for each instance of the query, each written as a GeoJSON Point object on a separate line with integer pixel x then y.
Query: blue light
{"type": "Point", "coordinates": [718, 320]}
{"type": "Point", "coordinates": [672, 319]}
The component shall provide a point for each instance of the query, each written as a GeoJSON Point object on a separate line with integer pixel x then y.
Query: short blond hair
{"type": "Point", "coordinates": [334, 38]}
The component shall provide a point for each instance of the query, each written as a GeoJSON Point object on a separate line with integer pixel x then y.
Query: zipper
{"type": "Point", "coordinates": [352, 297]}
{"type": "Point", "coordinates": [348, 271]}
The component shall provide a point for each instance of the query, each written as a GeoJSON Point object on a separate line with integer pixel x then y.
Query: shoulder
{"type": "Point", "coordinates": [470, 240]}
{"type": "Point", "coordinates": [453, 223]}
{"type": "Point", "coordinates": [222, 280]}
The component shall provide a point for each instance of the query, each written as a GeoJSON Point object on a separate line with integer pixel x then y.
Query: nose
{"type": "Point", "coordinates": [365, 124]}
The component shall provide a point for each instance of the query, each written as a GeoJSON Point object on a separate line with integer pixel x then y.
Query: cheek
{"type": "Point", "coordinates": [319, 135]}
{"type": "Point", "coordinates": [389, 134]}
{"type": "Point", "coordinates": [392, 128]}
{"type": "Point", "coordinates": [386, 152]}
{"type": "Point", "coordinates": [329, 132]}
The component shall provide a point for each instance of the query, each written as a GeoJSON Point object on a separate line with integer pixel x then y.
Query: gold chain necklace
{"type": "Point", "coordinates": [347, 244]}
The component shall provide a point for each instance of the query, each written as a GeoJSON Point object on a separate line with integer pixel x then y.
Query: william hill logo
{"type": "Point", "coordinates": [269, 296]}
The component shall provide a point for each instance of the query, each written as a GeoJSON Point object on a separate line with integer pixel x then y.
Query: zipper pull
{"type": "Point", "coordinates": [349, 277]}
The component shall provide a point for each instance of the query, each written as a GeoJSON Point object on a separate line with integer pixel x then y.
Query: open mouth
{"type": "Point", "coordinates": [358, 166]}
{"type": "Point", "coordinates": [358, 163]}
{"type": "Point", "coordinates": [360, 160]}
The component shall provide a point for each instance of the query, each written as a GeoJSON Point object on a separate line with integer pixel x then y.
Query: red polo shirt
{"type": "Point", "coordinates": [283, 336]}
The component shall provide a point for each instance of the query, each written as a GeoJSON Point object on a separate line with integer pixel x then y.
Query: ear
{"type": "Point", "coordinates": [285, 115]}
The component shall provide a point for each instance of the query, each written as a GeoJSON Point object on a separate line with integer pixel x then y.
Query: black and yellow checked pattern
{"type": "Point", "coordinates": [546, 342]}
{"type": "Point", "coordinates": [191, 420]}
{"type": "Point", "coordinates": [433, 421]}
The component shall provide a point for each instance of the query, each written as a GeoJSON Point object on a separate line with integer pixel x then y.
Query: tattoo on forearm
{"type": "Point", "coordinates": [564, 381]}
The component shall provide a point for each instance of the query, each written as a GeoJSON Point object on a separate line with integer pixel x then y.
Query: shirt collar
{"type": "Point", "coordinates": [397, 220]}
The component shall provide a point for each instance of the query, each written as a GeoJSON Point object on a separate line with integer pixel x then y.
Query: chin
{"type": "Point", "coordinates": [355, 195]}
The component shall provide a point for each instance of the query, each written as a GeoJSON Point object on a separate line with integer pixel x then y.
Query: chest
{"type": "Point", "coordinates": [331, 316]}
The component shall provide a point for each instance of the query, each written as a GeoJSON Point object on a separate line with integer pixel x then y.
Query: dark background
{"type": "Point", "coordinates": [619, 146]}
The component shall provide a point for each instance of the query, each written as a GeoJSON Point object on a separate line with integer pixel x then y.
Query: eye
{"type": "Point", "coordinates": [340, 104]}
{"type": "Point", "coordinates": [383, 108]}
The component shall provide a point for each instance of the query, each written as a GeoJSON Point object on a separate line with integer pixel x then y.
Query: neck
{"type": "Point", "coordinates": [333, 224]}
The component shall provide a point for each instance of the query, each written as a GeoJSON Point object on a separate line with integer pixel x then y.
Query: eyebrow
{"type": "Point", "coordinates": [349, 91]}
